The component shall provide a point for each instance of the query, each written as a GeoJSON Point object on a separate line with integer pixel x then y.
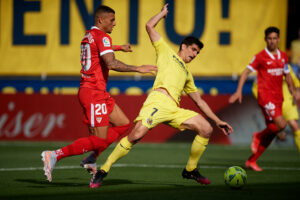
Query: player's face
{"type": "Point", "coordinates": [108, 22]}
{"type": "Point", "coordinates": [272, 41]}
{"type": "Point", "coordinates": [190, 52]}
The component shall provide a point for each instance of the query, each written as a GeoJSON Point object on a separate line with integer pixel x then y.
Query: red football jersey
{"type": "Point", "coordinates": [94, 73]}
{"type": "Point", "coordinates": [270, 69]}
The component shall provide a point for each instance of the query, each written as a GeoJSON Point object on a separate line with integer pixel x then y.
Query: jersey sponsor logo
{"type": "Point", "coordinates": [275, 71]}
{"type": "Point", "coordinates": [106, 42]}
{"type": "Point", "coordinates": [180, 64]}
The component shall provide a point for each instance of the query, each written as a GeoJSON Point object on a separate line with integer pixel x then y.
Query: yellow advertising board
{"type": "Point", "coordinates": [43, 36]}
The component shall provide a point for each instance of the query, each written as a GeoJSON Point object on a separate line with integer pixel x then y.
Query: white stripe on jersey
{"type": "Point", "coordinates": [251, 68]}
{"type": "Point", "coordinates": [105, 52]}
{"type": "Point", "coordinates": [92, 116]}
{"type": "Point", "coordinates": [95, 27]}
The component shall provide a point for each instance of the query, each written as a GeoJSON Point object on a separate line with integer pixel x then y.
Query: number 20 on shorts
{"type": "Point", "coordinates": [99, 109]}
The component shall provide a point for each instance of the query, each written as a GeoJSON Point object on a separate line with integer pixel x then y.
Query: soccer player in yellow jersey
{"type": "Point", "coordinates": [289, 110]}
{"type": "Point", "coordinates": [161, 106]}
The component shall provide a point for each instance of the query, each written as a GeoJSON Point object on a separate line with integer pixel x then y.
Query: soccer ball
{"type": "Point", "coordinates": [235, 177]}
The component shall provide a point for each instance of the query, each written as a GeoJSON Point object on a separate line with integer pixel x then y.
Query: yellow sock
{"type": "Point", "coordinates": [121, 150]}
{"type": "Point", "coordinates": [197, 149]}
{"type": "Point", "coordinates": [297, 139]}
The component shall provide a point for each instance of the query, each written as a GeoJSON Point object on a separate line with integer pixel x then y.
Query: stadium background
{"type": "Point", "coordinates": [40, 53]}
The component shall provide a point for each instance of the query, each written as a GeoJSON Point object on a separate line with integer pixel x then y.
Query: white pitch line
{"type": "Point", "coordinates": [146, 166]}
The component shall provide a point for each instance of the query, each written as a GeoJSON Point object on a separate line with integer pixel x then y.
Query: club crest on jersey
{"type": "Point", "coordinates": [149, 121]}
{"type": "Point", "coordinates": [98, 119]}
{"type": "Point", "coordinates": [106, 42]}
{"type": "Point", "coordinates": [270, 106]}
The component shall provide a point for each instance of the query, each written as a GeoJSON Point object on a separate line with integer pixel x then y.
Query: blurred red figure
{"type": "Point", "coordinates": [270, 65]}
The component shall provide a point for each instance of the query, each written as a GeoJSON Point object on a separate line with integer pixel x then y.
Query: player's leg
{"type": "Point", "coordinates": [96, 109]}
{"type": "Point", "coordinates": [120, 124]}
{"type": "Point", "coordinates": [79, 146]}
{"type": "Point", "coordinates": [204, 130]}
{"type": "Point", "coordinates": [296, 130]}
{"type": "Point", "coordinates": [266, 136]}
{"type": "Point", "coordinates": [96, 117]}
{"type": "Point", "coordinates": [291, 115]}
{"type": "Point", "coordinates": [153, 112]}
{"type": "Point", "coordinates": [125, 144]}
{"type": "Point", "coordinates": [121, 150]}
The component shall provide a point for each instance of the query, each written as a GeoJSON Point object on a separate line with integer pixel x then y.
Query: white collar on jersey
{"type": "Point", "coordinates": [95, 27]}
{"type": "Point", "coordinates": [271, 55]}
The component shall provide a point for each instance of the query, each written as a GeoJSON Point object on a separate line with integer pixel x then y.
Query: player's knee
{"type": "Point", "coordinates": [134, 138]}
{"type": "Point", "coordinates": [276, 127]}
{"type": "Point", "coordinates": [205, 130]}
{"type": "Point", "coordinates": [137, 134]}
{"type": "Point", "coordinates": [281, 125]}
{"type": "Point", "coordinates": [98, 131]}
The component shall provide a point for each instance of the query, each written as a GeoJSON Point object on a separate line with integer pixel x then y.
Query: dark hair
{"type": "Point", "coordinates": [102, 9]}
{"type": "Point", "coordinates": [191, 40]}
{"type": "Point", "coordinates": [271, 29]}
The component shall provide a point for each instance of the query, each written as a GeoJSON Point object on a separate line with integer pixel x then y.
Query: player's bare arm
{"type": "Point", "coordinates": [238, 93]}
{"type": "Point", "coordinates": [202, 105]}
{"type": "Point", "coordinates": [116, 65]}
{"type": "Point", "coordinates": [150, 25]}
{"type": "Point", "coordinates": [289, 81]}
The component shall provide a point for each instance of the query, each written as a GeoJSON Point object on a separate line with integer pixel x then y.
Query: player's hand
{"type": "Point", "coordinates": [147, 69]}
{"type": "Point", "coordinates": [164, 10]}
{"type": "Point", "coordinates": [126, 48]}
{"type": "Point", "coordinates": [225, 127]}
{"type": "Point", "coordinates": [234, 97]}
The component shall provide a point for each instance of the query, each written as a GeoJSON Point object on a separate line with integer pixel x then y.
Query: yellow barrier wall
{"type": "Point", "coordinates": [43, 36]}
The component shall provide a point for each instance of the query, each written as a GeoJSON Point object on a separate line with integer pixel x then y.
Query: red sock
{"type": "Point", "coordinates": [265, 136]}
{"type": "Point", "coordinates": [112, 134]}
{"type": "Point", "coordinates": [268, 136]}
{"type": "Point", "coordinates": [269, 130]}
{"type": "Point", "coordinates": [260, 150]}
{"type": "Point", "coordinates": [80, 146]}
{"type": "Point", "coordinates": [261, 133]}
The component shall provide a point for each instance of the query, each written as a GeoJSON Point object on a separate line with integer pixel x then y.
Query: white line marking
{"type": "Point", "coordinates": [146, 166]}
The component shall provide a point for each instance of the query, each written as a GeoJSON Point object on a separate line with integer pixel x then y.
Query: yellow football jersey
{"type": "Point", "coordinates": [173, 74]}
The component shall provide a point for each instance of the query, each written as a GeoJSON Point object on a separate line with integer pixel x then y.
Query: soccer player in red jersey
{"type": "Point", "coordinates": [100, 110]}
{"type": "Point", "coordinates": [270, 65]}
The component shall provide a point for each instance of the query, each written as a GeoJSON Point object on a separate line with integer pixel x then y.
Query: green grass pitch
{"type": "Point", "coordinates": [149, 171]}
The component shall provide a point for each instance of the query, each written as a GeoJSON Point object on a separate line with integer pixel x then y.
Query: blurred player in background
{"type": "Point", "coordinates": [97, 58]}
{"type": "Point", "coordinates": [289, 111]}
{"type": "Point", "coordinates": [270, 65]}
{"type": "Point", "coordinates": [162, 104]}
{"type": "Point", "coordinates": [295, 55]}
